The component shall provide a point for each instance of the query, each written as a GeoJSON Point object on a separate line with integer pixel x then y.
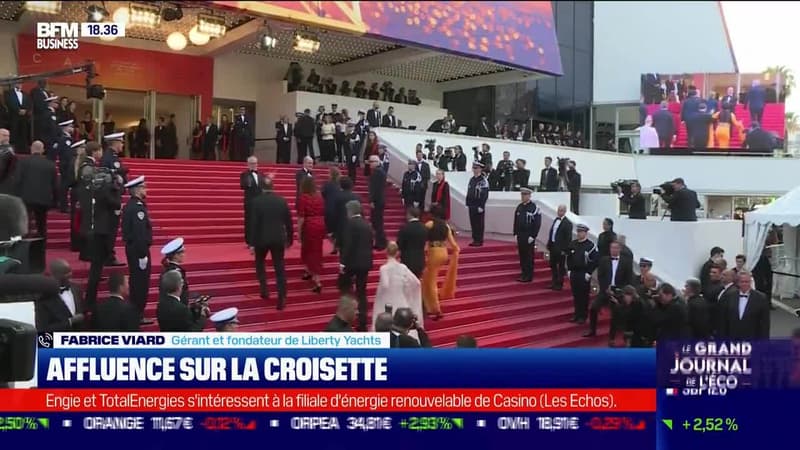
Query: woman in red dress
{"type": "Point", "coordinates": [311, 230]}
{"type": "Point", "coordinates": [440, 195]}
{"type": "Point", "coordinates": [370, 148]}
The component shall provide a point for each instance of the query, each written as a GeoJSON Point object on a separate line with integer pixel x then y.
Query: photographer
{"type": "Point", "coordinates": [682, 201]}
{"type": "Point", "coordinates": [613, 272]}
{"type": "Point", "coordinates": [405, 321]}
{"type": "Point", "coordinates": [484, 156]}
{"type": "Point", "coordinates": [173, 315]}
{"type": "Point", "coordinates": [573, 180]}
{"type": "Point", "coordinates": [630, 193]}
{"type": "Point", "coordinates": [459, 160]}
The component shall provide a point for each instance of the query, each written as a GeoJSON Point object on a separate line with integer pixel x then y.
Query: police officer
{"type": "Point", "coordinates": [114, 143]}
{"type": "Point", "coordinates": [477, 195]}
{"type": "Point", "coordinates": [225, 321]}
{"type": "Point", "coordinates": [505, 172]}
{"type": "Point", "coordinates": [582, 258]}
{"type": "Point", "coordinates": [137, 232]}
{"type": "Point", "coordinates": [103, 201]}
{"type": "Point", "coordinates": [45, 127]}
{"type": "Point", "coordinates": [527, 221]}
{"type": "Point", "coordinates": [174, 252]}
{"type": "Point", "coordinates": [353, 150]}
{"type": "Point", "coordinates": [412, 185]}
{"type": "Point", "coordinates": [62, 146]}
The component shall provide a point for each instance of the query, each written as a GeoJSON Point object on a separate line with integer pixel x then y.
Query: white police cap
{"type": "Point", "coordinates": [134, 183]}
{"type": "Point", "coordinates": [526, 191]}
{"type": "Point", "coordinates": [66, 123]}
{"type": "Point", "coordinates": [80, 143]}
{"type": "Point", "coordinates": [226, 316]}
{"type": "Point", "coordinates": [172, 247]}
{"type": "Point", "coordinates": [114, 136]}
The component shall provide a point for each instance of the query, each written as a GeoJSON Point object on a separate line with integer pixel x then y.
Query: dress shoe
{"type": "Point", "coordinates": [589, 333]}
{"type": "Point", "coordinates": [524, 280]}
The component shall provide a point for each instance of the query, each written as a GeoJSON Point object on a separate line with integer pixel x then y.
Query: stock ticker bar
{"type": "Point", "coordinates": [194, 388]}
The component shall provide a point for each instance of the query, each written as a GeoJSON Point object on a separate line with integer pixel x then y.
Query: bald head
{"type": "Point", "coordinates": [37, 147]}
{"type": "Point", "coordinates": [383, 323]}
{"type": "Point", "coordinates": [728, 276]}
{"type": "Point", "coordinates": [60, 270]}
{"type": "Point", "coordinates": [562, 210]}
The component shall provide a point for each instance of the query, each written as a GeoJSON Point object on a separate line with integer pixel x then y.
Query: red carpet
{"type": "Point", "coordinates": [203, 203]}
{"type": "Point", "coordinates": [774, 121]}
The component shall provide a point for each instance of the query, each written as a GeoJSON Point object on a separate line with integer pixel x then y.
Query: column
{"type": "Point", "coordinates": [150, 116]}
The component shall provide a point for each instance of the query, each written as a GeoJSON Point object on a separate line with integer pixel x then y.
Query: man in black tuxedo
{"type": "Point", "coordinates": [19, 106]}
{"type": "Point", "coordinates": [374, 116]}
{"type": "Point", "coordinates": [340, 217]}
{"type": "Point", "coordinates": [307, 171]}
{"type": "Point", "coordinates": [548, 180]}
{"type": "Point", "coordinates": [745, 312]}
{"type": "Point", "coordinates": [700, 311]}
{"type": "Point", "coordinates": [355, 258]}
{"type": "Point", "coordinates": [424, 170]}
{"type": "Point", "coordinates": [614, 272]}
{"type": "Point", "coordinates": [66, 311]}
{"type": "Point", "coordinates": [116, 314]}
{"type": "Point", "coordinates": [411, 241]}
{"type": "Point", "coordinates": [304, 129]}
{"type": "Point", "coordinates": [717, 253]}
{"type": "Point", "coordinates": [342, 322]}
{"type": "Point", "coordinates": [389, 120]}
{"type": "Point", "coordinates": [484, 128]}
{"type": "Point", "coordinates": [283, 138]}
{"type": "Point", "coordinates": [173, 315]}
{"type": "Point", "coordinates": [37, 186]}
{"type": "Point", "coordinates": [251, 183]}
{"type": "Point", "coordinates": [271, 231]}
{"type": "Point", "coordinates": [729, 99]}
{"type": "Point", "coordinates": [210, 138]}
{"type": "Point", "coordinates": [558, 240]}
{"type": "Point", "coordinates": [403, 322]}
{"type": "Point", "coordinates": [377, 200]}
{"type": "Point", "coordinates": [243, 138]}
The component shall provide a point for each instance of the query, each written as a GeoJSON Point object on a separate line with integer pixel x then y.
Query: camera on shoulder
{"type": "Point", "coordinates": [664, 188]}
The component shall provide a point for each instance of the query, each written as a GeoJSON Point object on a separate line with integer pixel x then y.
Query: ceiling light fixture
{"type": "Point", "coordinates": [96, 13]}
{"type": "Point", "coordinates": [44, 7]}
{"type": "Point", "coordinates": [306, 42]}
{"type": "Point", "coordinates": [176, 41]}
{"type": "Point", "coordinates": [213, 26]}
{"type": "Point", "coordinates": [121, 15]}
{"type": "Point", "coordinates": [144, 15]}
{"type": "Point", "coordinates": [267, 40]}
{"type": "Point", "coordinates": [198, 38]}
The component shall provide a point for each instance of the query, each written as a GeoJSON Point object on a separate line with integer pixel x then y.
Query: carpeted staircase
{"type": "Point", "coordinates": [202, 202]}
{"type": "Point", "coordinates": [774, 121]}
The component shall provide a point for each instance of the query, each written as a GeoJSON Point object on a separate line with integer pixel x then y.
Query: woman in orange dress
{"type": "Point", "coordinates": [311, 230]}
{"type": "Point", "coordinates": [726, 119]}
{"type": "Point", "coordinates": [439, 237]}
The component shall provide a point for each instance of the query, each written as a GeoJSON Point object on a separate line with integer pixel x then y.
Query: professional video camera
{"type": "Point", "coordinates": [430, 144]}
{"type": "Point", "coordinates": [624, 185]}
{"type": "Point", "coordinates": [664, 188]}
{"type": "Point", "coordinates": [562, 164]}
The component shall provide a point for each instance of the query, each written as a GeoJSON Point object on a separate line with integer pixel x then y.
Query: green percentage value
{"type": "Point", "coordinates": [711, 424]}
{"type": "Point", "coordinates": [24, 423]}
{"type": "Point", "coordinates": [432, 423]}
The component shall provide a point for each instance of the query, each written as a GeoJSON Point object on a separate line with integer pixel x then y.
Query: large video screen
{"type": "Point", "coordinates": [715, 111]}
{"type": "Point", "coordinates": [518, 34]}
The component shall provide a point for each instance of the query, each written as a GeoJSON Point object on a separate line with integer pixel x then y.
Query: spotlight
{"type": "Point", "coordinates": [96, 13]}
{"type": "Point", "coordinates": [213, 26]}
{"type": "Point", "coordinates": [44, 7]}
{"type": "Point", "coordinates": [306, 42]}
{"type": "Point", "coordinates": [172, 13]}
{"type": "Point", "coordinates": [176, 41]}
{"type": "Point", "coordinates": [267, 41]}
{"type": "Point", "coordinates": [198, 38]}
{"type": "Point", "coordinates": [122, 15]}
{"type": "Point", "coordinates": [144, 15]}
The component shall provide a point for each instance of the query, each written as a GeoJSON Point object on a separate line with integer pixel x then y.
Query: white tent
{"type": "Point", "coordinates": [784, 212]}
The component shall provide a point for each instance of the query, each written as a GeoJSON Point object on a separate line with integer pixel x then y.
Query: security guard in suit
{"type": "Point", "coordinates": [582, 256]}
{"type": "Point", "coordinates": [527, 221]}
{"type": "Point", "coordinates": [66, 155]}
{"type": "Point", "coordinates": [137, 233]}
{"type": "Point", "coordinates": [114, 147]}
{"type": "Point", "coordinates": [477, 195]}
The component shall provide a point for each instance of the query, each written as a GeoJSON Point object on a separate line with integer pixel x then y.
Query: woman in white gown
{"type": "Point", "coordinates": [398, 287]}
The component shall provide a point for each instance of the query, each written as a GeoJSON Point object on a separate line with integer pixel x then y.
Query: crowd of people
{"type": "Point", "coordinates": [541, 133]}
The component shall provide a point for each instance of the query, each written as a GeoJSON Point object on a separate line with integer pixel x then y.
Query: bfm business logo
{"type": "Point", "coordinates": [57, 35]}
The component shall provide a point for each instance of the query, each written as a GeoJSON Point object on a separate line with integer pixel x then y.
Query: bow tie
{"type": "Point", "coordinates": [615, 259]}
{"type": "Point", "coordinates": [743, 296]}
{"type": "Point", "coordinates": [253, 171]}
{"type": "Point", "coordinates": [64, 288]}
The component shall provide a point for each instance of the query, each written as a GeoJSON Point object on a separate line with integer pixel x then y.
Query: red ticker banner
{"type": "Point", "coordinates": [520, 34]}
{"type": "Point", "coordinates": [125, 68]}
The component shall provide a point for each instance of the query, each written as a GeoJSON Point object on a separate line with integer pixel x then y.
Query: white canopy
{"type": "Point", "coordinates": [783, 211]}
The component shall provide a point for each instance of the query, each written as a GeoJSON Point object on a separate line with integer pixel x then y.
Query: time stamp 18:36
{"type": "Point", "coordinates": [103, 29]}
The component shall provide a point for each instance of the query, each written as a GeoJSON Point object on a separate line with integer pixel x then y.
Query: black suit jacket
{"type": "Point", "coordinates": [754, 324]}
{"type": "Point", "coordinates": [115, 314]}
{"type": "Point", "coordinates": [14, 106]}
{"type": "Point", "coordinates": [683, 205]}
{"type": "Point", "coordinates": [37, 181]}
{"type": "Point", "coordinates": [299, 176]}
{"type": "Point", "coordinates": [374, 118]}
{"type": "Point", "coordinates": [340, 211]}
{"type": "Point", "coordinates": [249, 186]}
{"type": "Point", "coordinates": [270, 221]}
{"type": "Point", "coordinates": [411, 241]}
{"type": "Point", "coordinates": [389, 121]}
{"type": "Point", "coordinates": [304, 127]}
{"type": "Point", "coordinates": [377, 186]}
{"type": "Point", "coordinates": [356, 253]}
{"type": "Point", "coordinates": [210, 137]}
{"type": "Point", "coordinates": [38, 97]}
{"type": "Point", "coordinates": [548, 180]}
{"type": "Point", "coordinates": [624, 275]}
{"type": "Point", "coordinates": [176, 317]}
{"type": "Point", "coordinates": [52, 313]}
{"type": "Point", "coordinates": [485, 130]}
{"type": "Point", "coordinates": [563, 235]}
{"type": "Point", "coordinates": [282, 136]}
